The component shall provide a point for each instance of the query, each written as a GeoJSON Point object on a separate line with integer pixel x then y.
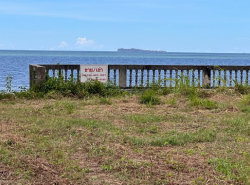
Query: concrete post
{"type": "Point", "coordinates": [37, 74]}
{"type": "Point", "coordinates": [123, 77]}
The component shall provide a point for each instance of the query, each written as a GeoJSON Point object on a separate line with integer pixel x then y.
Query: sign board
{"type": "Point", "coordinates": [94, 72]}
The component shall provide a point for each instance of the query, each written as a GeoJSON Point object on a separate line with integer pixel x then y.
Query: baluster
{"type": "Point", "coordinates": [109, 74]}
{"type": "Point", "coordinates": [72, 74]}
{"type": "Point", "coordinates": [241, 77]}
{"type": "Point", "coordinates": [236, 76]}
{"type": "Point", "coordinates": [193, 77]}
{"type": "Point", "coordinates": [230, 77]}
{"type": "Point", "coordinates": [130, 78]}
{"type": "Point", "coordinates": [148, 77]}
{"type": "Point", "coordinates": [225, 78]}
{"type": "Point", "coordinates": [182, 75]}
{"type": "Point", "coordinates": [214, 77]}
{"type": "Point", "coordinates": [219, 78]}
{"type": "Point", "coordinates": [78, 75]}
{"type": "Point", "coordinates": [165, 77]}
{"type": "Point", "coordinates": [115, 76]}
{"type": "Point", "coordinates": [136, 77]}
{"type": "Point", "coordinates": [153, 76]}
{"type": "Point", "coordinates": [53, 70]}
{"type": "Point", "coordinates": [199, 77]}
{"type": "Point", "coordinates": [247, 71]}
{"type": "Point", "coordinates": [142, 71]}
{"type": "Point", "coordinates": [66, 73]}
{"type": "Point", "coordinates": [59, 73]}
{"type": "Point", "coordinates": [159, 76]}
{"type": "Point", "coordinates": [171, 79]}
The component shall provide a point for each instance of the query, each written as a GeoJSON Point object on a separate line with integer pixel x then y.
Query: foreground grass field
{"type": "Point", "coordinates": [124, 140]}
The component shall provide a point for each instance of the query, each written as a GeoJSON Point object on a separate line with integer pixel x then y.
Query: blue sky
{"type": "Point", "coordinates": [106, 25]}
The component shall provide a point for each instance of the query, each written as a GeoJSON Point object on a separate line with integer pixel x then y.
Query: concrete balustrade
{"type": "Point", "coordinates": [129, 76]}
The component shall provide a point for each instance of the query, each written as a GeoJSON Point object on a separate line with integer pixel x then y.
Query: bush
{"type": "Point", "coordinates": [183, 86]}
{"type": "Point", "coordinates": [75, 88]}
{"type": "Point", "coordinates": [242, 89]}
{"type": "Point", "coordinates": [150, 97]}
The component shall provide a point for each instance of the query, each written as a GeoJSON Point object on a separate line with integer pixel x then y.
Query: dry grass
{"type": "Point", "coordinates": [120, 141]}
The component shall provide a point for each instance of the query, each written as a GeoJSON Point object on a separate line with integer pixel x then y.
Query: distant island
{"type": "Point", "coordinates": [140, 50]}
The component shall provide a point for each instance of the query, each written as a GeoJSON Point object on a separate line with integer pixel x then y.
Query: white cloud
{"type": "Point", "coordinates": [83, 41]}
{"type": "Point", "coordinates": [63, 44]}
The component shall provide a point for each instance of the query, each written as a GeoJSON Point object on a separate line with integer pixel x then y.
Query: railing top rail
{"type": "Point", "coordinates": [151, 67]}
{"type": "Point", "coordinates": [180, 67]}
{"type": "Point", "coordinates": [60, 67]}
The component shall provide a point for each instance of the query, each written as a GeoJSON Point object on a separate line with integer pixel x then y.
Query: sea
{"type": "Point", "coordinates": [14, 64]}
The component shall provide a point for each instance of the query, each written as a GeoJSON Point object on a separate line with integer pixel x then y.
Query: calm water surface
{"type": "Point", "coordinates": [16, 63]}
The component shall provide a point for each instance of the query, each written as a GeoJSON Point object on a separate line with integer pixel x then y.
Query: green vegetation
{"type": "Point", "coordinates": [94, 133]}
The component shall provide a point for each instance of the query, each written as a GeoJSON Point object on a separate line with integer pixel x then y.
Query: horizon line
{"type": "Point", "coordinates": [123, 52]}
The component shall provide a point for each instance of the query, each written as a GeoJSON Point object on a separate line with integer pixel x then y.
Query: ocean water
{"type": "Point", "coordinates": [16, 63]}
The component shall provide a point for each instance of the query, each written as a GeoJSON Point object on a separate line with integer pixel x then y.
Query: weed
{"type": "Point", "coordinates": [244, 105]}
{"type": "Point", "coordinates": [144, 118]}
{"type": "Point", "coordinates": [150, 98]}
{"type": "Point", "coordinates": [105, 101]}
{"type": "Point", "coordinates": [171, 101]}
{"type": "Point", "coordinates": [199, 180]}
{"type": "Point", "coordinates": [205, 103]}
{"type": "Point", "coordinates": [70, 106]}
{"type": "Point", "coordinates": [246, 100]}
{"type": "Point", "coordinates": [240, 88]}
{"type": "Point", "coordinates": [183, 86]}
{"type": "Point", "coordinates": [232, 170]}
{"type": "Point", "coordinates": [166, 91]}
{"type": "Point", "coordinates": [107, 167]}
{"type": "Point", "coordinates": [86, 170]}
{"type": "Point", "coordinates": [95, 150]}
{"type": "Point", "coordinates": [135, 141]}
{"type": "Point", "coordinates": [8, 83]}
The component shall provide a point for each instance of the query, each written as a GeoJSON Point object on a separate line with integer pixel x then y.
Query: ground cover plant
{"type": "Point", "coordinates": [100, 134]}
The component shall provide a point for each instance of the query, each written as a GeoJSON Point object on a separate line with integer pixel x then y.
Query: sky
{"type": "Point", "coordinates": [221, 26]}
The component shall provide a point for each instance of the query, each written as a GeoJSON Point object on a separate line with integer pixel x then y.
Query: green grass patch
{"type": "Point", "coordinates": [144, 118]}
{"type": "Point", "coordinates": [150, 97]}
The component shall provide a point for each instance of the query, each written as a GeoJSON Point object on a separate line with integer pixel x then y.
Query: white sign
{"type": "Point", "coordinates": [94, 72]}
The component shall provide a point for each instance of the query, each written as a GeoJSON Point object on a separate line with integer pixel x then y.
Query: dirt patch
{"type": "Point", "coordinates": [8, 176]}
{"type": "Point", "coordinates": [221, 98]}
{"type": "Point", "coordinates": [42, 172]}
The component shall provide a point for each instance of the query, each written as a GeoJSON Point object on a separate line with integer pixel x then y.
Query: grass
{"type": "Point", "coordinates": [159, 136]}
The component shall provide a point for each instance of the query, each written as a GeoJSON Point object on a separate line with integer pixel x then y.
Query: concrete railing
{"type": "Point", "coordinates": [128, 76]}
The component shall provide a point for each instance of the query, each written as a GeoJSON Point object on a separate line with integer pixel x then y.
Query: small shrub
{"type": "Point", "coordinates": [105, 101]}
{"type": "Point", "coordinates": [244, 105]}
{"type": "Point", "coordinates": [246, 100]}
{"type": "Point", "coordinates": [8, 84]}
{"type": "Point", "coordinates": [70, 106]}
{"type": "Point", "coordinates": [73, 87]}
{"type": "Point", "coordinates": [232, 170]}
{"type": "Point", "coordinates": [9, 96]}
{"type": "Point", "coordinates": [150, 97]}
{"type": "Point", "coordinates": [183, 86]}
{"type": "Point", "coordinates": [242, 89]}
{"type": "Point", "coordinates": [166, 91]}
{"type": "Point", "coordinates": [205, 103]}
